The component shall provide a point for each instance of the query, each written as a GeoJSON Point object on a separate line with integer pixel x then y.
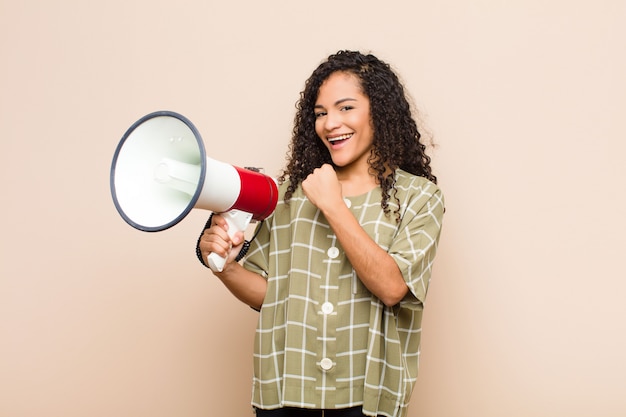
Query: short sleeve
{"type": "Point", "coordinates": [415, 245]}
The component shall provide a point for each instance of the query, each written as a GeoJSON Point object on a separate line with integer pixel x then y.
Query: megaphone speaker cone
{"type": "Point", "coordinates": [157, 171]}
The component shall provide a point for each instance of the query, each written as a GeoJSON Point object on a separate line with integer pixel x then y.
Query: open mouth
{"type": "Point", "coordinates": [336, 140]}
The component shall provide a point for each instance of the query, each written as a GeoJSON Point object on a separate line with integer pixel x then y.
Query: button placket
{"type": "Point", "coordinates": [328, 307]}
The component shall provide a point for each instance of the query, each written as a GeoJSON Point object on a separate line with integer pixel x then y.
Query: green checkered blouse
{"type": "Point", "coordinates": [323, 340]}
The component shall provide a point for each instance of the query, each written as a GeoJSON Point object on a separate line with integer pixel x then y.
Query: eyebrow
{"type": "Point", "coordinates": [338, 102]}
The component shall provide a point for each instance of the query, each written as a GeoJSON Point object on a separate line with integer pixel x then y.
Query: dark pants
{"type": "Point", "coordinates": [303, 412]}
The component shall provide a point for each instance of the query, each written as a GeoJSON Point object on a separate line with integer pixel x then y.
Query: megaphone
{"type": "Point", "coordinates": [160, 172]}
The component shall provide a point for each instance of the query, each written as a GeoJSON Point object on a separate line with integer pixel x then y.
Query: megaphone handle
{"type": "Point", "coordinates": [237, 221]}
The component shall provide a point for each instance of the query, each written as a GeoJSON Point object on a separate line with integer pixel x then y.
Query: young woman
{"type": "Point", "coordinates": [340, 270]}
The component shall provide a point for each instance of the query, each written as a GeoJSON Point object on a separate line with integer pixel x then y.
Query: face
{"type": "Point", "coordinates": [343, 123]}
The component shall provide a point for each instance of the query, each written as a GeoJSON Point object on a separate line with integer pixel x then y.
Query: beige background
{"type": "Point", "coordinates": [525, 100]}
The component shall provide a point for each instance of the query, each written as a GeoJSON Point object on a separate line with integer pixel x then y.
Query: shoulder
{"type": "Point", "coordinates": [418, 196]}
{"type": "Point", "coordinates": [282, 188]}
{"type": "Point", "coordinates": [292, 208]}
{"type": "Point", "coordinates": [407, 183]}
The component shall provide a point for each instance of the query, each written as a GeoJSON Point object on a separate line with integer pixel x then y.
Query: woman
{"type": "Point", "coordinates": [340, 270]}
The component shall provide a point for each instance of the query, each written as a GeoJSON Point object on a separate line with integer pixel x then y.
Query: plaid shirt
{"type": "Point", "coordinates": [323, 340]}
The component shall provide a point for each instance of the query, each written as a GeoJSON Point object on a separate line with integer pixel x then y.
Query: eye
{"type": "Point", "coordinates": [346, 108]}
{"type": "Point", "coordinates": [319, 114]}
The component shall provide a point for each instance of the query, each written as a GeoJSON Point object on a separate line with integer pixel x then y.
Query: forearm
{"type": "Point", "coordinates": [374, 266]}
{"type": "Point", "coordinates": [247, 286]}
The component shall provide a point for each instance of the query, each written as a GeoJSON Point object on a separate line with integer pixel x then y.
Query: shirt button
{"type": "Point", "coordinates": [333, 252]}
{"type": "Point", "coordinates": [326, 364]}
{"type": "Point", "coordinates": [348, 202]}
{"type": "Point", "coordinates": [327, 307]}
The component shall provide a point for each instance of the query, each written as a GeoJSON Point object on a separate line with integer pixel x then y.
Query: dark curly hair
{"type": "Point", "coordinates": [396, 141]}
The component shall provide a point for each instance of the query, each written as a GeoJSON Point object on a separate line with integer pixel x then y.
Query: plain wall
{"type": "Point", "coordinates": [525, 100]}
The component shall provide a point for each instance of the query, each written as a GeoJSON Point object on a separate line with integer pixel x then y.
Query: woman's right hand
{"type": "Point", "coordinates": [216, 240]}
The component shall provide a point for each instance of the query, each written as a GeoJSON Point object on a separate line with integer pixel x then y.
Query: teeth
{"type": "Point", "coordinates": [342, 137]}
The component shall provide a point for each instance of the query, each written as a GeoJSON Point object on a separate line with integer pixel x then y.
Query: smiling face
{"type": "Point", "coordinates": [343, 122]}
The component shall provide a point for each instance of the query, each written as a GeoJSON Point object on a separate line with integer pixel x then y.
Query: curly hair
{"type": "Point", "coordinates": [396, 142]}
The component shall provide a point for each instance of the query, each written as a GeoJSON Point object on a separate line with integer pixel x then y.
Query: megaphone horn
{"type": "Point", "coordinates": [160, 172]}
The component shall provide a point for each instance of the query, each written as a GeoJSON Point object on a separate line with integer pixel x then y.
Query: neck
{"type": "Point", "coordinates": [353, 184]}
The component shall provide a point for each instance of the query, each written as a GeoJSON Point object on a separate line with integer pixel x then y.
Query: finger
{"type": "Point", "coordinates": [215, 240]}
{"type": "Point", "coordinates": [218, 220]}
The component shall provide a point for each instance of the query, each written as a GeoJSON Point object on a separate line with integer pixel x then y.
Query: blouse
{"type": "Point", "coordinates": [322, 339]}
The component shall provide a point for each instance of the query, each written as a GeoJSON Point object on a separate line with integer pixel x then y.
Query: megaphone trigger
{"type": "Point", "coordinates": [237, 221]}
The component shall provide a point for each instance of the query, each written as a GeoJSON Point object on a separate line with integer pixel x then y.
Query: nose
{"type": "Point", "coordinates": [332, 121]}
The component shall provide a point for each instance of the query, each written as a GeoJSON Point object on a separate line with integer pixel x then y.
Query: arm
{"type": "Point", "coordinates": [375, 267]}
{"type": "Point", "coordinates": [247, 286]}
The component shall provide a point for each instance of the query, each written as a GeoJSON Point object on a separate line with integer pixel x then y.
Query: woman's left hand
{"type": "Point", "coordinates": [322, 187]}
